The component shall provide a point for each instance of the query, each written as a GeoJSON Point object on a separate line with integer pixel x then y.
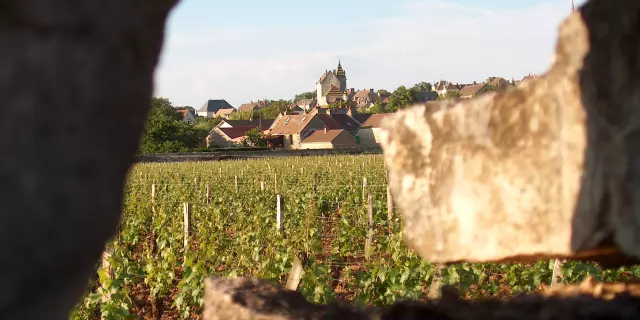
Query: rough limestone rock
{"type": "Point", "coordinates": [76, 80]}
{"type": "Point", "coordinates": [249, 299]}
{"type": "Point", "coordinates": [550, 168]}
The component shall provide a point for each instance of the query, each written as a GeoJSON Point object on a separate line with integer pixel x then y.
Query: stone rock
{"type": "Point", "coordinates": [253, 299]}
{"type": "Point", "coordinates": [76, 79]}
{"type": "Point", "coordinates": [550, 168]}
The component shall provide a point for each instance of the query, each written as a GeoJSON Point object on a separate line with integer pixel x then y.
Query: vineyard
{"type": "Point", "coordinates": [334, 212]}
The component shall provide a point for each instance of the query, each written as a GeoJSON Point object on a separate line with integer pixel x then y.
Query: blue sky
{"type": "Point", "coordinates": [245, 50]}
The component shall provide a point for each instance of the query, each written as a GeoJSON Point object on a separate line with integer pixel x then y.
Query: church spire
{"type": "Point", "coordinates": [340, 71]}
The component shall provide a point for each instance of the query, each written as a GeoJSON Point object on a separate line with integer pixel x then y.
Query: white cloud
{"type": "Point", "coordinates": [429, 40]}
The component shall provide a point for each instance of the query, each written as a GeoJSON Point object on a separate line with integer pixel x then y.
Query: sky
{"type": "Point", "coordinates": [245, 50]}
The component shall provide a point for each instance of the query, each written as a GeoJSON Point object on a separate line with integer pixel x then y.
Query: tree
{"type": "Point", "coordinates": [400, 98]}
{"type": "Point", "coordinates": [422, 86]}
{"type": "Point", "coordinates": [204, 125]}
{"type": "Point", "coordinates": [384, 93]}
{"type": "Point", "coordinates": [378, 107]}
{"type": "Point", "coordinates": [255, 138]}
{"type": "Point", "coordinates": [450, 95]}
{"type": "Point", "coordinates": [305, 95]}
{"type": "Point", "coordinates": [165, 132]}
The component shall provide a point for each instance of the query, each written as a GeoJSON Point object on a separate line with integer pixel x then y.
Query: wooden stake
{"type": "Point", "coordinates": [364, 189]}
{"type": "Point", "coordinates": [436, 282]}
{"type": "Point", "coordinates": [236, 182]}
{"type": "Point", "coordinates": [315, 186]}
{"type": "Point", "coordinates": [262, 185]}
{"type": "Point", "coordinates": [208, 194]}
{"type": "Point", "coordinates": [186, 210]}
{"type": "Point", "coordinates": [293, 281]}
{"type": "Point", "coordinates": [390, 206]}
{"type": "Point", "coordinates": [368, 244]}
{"type": "Point", "coordinates": [279, 204]}
{"type": "Point", "coordinates": [275, 182]}
{"type": "Point", "coordinates": [556, 276]}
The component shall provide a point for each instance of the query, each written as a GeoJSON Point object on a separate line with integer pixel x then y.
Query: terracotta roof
{"type": "Point", "coordinates": [247, 107]}
{"type": "Point", "coordinates": [225, 111]}
{"type": "Point", "coordinates": [183, 112]}
{"type": "Point", "coordinates": [290, 124]}
{"type": "Point", "coordinates": [321, 136]}
{"type": "Point", "coordinates": [334, 91]}
{"type": "Point", "coordinates": [235, 133]}
{"type": "Point", "coordinates": [471, 90]}
{"type": "Point", "coordinates": [374, 120]}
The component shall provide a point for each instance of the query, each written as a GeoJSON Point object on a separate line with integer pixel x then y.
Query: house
{"type": "Point", "coordinates": [294, 109]}
{"type": "Point", "coordinates": [215, 108]}
{"type": "Point", "coordinates": [263, 124]}
{"type": "Point", "coordinates": [365, 98]}
{"type": "Point", "coordinates": [295, 128]}
{"type": "Point", "coordinates": [224, 113]}
{"type": "Point", "coordinates": [442, 87]}
{"type": "Point", "coordinates": [307, 104]}
{"type": "Point", "coordinates": [187, 116]}
{"type": "Point", "coordinates": [499, 84]}
{"type": "Point", "coordinates": [248, 107]}
{"type": "Point", "coordinates": [347, 122]}
{"type": "Point", "coordinates": [473, 90]}
{"type": "Point", "coordinates": [227, 137]}
{"type": "Point", "coordinates": [328, 139]}
{"type": "Point", "coordinates": [369, 133]}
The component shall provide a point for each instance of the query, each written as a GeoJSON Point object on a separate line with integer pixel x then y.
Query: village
{"type": "Point", "coordinates": [334, 116]}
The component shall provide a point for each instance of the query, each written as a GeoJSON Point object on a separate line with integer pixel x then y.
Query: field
{"type": "Point", "coordinates": [150, 274]}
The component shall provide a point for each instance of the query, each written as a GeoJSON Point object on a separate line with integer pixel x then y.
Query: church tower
{"type": "Point", "coordinates": [342, 76]}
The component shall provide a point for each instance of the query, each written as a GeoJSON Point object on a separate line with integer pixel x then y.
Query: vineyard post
{"type": "Point", "coordinates": [364, 189]}
{"type": "Point", "coordinates": [262, 185]}
{"type": "Point", "coordinates": [220, 172]}
{"type": "Point", "coordinates": [279, 204]}
{"type": "Point", "coordinates": [436, 282]}
{"type": "Point", "coordinates": [108, 273]}
{"type": "Point", "coordinates": [208, 194]}
{"type": "Point", "coordinates": [390, 206]}
{"type": "Point", "coordinates": [315, 185]}
{"type": "Point", "coordinates": [556, 276]}
{"type": "Point", "coordinates": [293, 280]}
{"type": "Point", "coordinates": [153, 196]}
{"type": "Point", "coordinates": [275, 182]}
{"type": "Point", "coordinates": [186, 210]}
{"type": "Point", "coordinates": [369, 242]}
{"type": "Point", "coordinates": [235, 182]}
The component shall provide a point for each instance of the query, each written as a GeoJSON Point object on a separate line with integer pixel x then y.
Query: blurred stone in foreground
{"type": "Point", "coordinates": [550, 168]}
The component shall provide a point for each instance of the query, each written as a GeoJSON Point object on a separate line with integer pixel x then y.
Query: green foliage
{"type": "Point", "coordinates": [204, 125]}
{"type": "Point", "coordinates": [255, 138]}
{"type": "Point", "coordinates": [379, 107]}
{"type": "Point", "coordinates": [234, 235]}
{"type": "Point", "coordinates": [269, 112]}
{"type": "Point", "coordinates": [165, 132]}
{"type": "Point", "coordinates": [422, 86]}
{"type": "Point", "coordinates": [305, 95]}
{"type": "Point", "coordinates": [384, 93]}
{"type": "Point", "coordinates": [450, 95]}
{"type": "Point", "coordinates": [400, 98]}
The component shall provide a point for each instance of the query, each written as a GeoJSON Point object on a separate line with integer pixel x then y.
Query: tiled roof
{"type": "Point", "coordinates": [321, 136]}
{"type": "Point", "coordinates": [471, 90]}
{"type": "Point", "coordinates": [215, 105]}
{"type": "Point", "coordinates": [374, 120]}
{"type": "Point", "coordinates": [235, 133]}
{"type": "Point", "coordinates": [225, 111]}
{"type": "Point", "coordinates": [290, 124]}
{"type": "Point", "coordinates": [346, 122]}
{"type": "Point", "coordinates": [266, 123]}
{"type": "Point", "coordinates": [329, 121]}
{"type": "Point", "coordinates": [247, 107]}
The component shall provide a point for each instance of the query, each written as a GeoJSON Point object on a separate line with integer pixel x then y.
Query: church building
{"type": "Point", "coordinates": [332, 87]}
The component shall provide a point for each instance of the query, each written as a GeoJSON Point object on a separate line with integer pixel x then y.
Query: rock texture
{"type": "Point", "coordinates": [76, 80]}
{"type": "Point", "coordinates": [245, 299]}
{"type": "Point", "coordinates": [550, 168]}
